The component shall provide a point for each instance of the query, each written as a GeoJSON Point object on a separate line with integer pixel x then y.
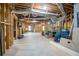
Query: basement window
{"type": "Point", "coordinates": [29, 28]}
{"type": "Point", "coordinates": [43, 28]}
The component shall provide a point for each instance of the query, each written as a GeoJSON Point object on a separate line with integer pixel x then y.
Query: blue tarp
{"type": "Point", "coordinates": [63, 34]}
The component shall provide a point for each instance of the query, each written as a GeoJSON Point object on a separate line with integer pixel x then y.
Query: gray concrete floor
{"type": "Point", "coordinates": [34, 44]}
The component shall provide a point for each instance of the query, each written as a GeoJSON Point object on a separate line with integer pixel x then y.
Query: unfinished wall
{"type": "Point", "coordinates": [6, 21]}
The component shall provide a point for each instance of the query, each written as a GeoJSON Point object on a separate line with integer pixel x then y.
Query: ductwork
{"type": "Point", "coordinates": [26, 11]}
{"type": "Point", "coordinates": [63, 12]}
{"type": "Point", "coordinates": [44, 12]}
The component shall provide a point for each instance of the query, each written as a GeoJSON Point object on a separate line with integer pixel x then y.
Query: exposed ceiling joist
{"type": "Point", "coordinates": [69, 8]}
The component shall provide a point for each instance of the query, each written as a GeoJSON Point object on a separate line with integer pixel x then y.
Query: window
{"type": "Point", "coordinates": [29, 28]}
{"type": "Point", "coordinates": [43, 28]}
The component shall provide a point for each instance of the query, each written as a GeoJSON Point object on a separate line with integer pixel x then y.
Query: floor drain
{"type": "Point", "coordinates": [68, 41]}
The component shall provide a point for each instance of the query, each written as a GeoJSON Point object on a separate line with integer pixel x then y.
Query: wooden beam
{"type": "Point", "coordinates": [69, 8]}
{"type": "Point", "coordinates": [51, 7]}
{"type": "Point", "coordinates": [20, 6]}
{"type": "Point", "coordinates": [7, 27]}
{"type": "Point", "coordinates": [5, 23]}
{"type": "Point", "coordinates": [3, 30]}
{"type": "Point", "coordinates": [68, 4]}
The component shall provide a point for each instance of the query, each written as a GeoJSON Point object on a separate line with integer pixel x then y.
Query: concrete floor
{"type": "Point", "coordinates": [34, 44]}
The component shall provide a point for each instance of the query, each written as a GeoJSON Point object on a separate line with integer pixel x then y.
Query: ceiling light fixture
{"type": "Point", "coordinates": [44, 7]}
{"type": "Point", "coordinates": [39, 11]}
{"type": "Point", "coordinates": [34, 21]}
